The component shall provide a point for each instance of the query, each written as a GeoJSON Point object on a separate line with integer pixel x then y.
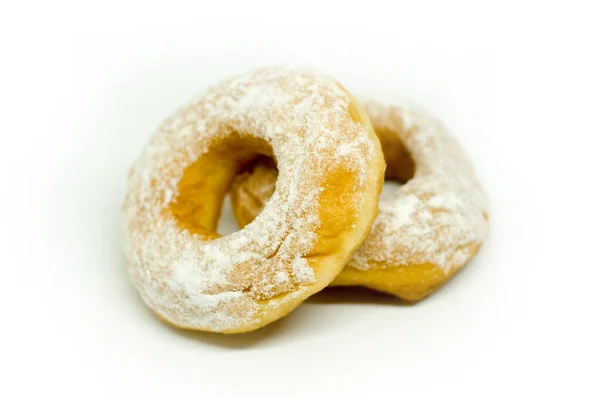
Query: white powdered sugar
{"type": "Point", "coordinates": [225, 283]}
{"type": "Point", "coordinates": [301, 272]}
{"type": "Point", "coordinates": [440, 215]}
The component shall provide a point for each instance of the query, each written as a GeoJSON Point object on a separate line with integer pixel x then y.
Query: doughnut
{"type": "Point", "coordinates": [427, 228]}
{"type": "Point", "coordinates": [331, 171]}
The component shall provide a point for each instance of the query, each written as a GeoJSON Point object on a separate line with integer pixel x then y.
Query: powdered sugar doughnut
{"type": "Point", "coordinates": [325, 200]}
{"type": "Point", "coordinates": [426, 229]}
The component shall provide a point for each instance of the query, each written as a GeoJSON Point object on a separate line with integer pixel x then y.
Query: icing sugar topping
{"type": "Point", "coordinates": [437, 215]}
{"type": "Point", "coordinates": [220, 284]}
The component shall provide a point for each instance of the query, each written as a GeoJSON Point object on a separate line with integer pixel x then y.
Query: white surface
{"type": "Point", "coordinates": [86, 88]}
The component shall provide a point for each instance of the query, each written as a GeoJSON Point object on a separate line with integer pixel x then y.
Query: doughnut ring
{"type": "Point", "coordinates": [331, 171]}
{"type": "Point", "coordinates": [427, 228]}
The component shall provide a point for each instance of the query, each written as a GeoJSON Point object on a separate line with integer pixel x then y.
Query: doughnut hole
{"type": "Point", "coordinates": [400, 163]}
{"type": "Point", "coordinates": [227, 222]}
{"type": "Point", "coordinates": [252, 189]}
{"type": "Point", "coordinates": [204, 184]}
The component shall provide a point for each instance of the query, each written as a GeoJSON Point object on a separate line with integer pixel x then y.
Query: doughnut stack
{"type": "Point", "coordinates": [303, 162]}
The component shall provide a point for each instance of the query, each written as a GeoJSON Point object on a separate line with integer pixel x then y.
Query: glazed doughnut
{"type": "Point", "coordinates": [426, 229]}
{"type": "Point", "coordinates": [331, 171]}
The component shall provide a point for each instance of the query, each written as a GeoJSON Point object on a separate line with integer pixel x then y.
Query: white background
{"type": "Point", "coordinates": [83, 87]}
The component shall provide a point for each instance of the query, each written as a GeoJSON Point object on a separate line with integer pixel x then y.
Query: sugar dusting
{"type": "Point", "coordinates": [438, 214]}
{"type": "Point", "coordinates": [437, 217]}
{"type": "Point", "coordinates": [222, 284]}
